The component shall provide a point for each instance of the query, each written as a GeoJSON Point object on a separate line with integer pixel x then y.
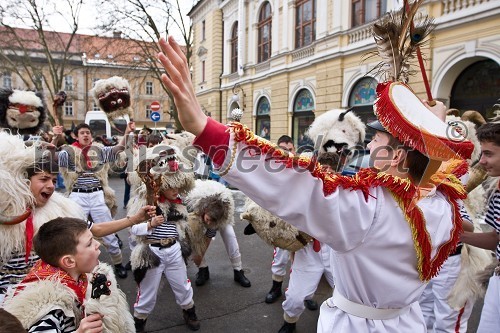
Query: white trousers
{"type": "Point", "coordinates": [93, 204]}
{"type": "Point", "coordinates": [173, 267]}
{"type": "Point", "coordinates": [439, 316]}
{"type": "Point", "coordinates": [232, 247]}
{"type": "Point", "coordinates": [490, 316]}
{"type": "Point", "coordinates": [280, 261]}
{"type": "Point", "coordinates": [307, 268]}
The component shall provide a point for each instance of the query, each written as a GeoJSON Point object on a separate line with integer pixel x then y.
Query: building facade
{"type": "Point", "coordinates": [285, 62]}
{"type": "Point", "coordinates": [92, 58]}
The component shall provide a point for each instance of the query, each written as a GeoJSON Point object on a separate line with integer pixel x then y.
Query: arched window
{"type": "Point", "coordinates": [303, 116]}
{"type": "Point", "coordinates": [263, 121]}
{"type": "Point", "coordinates": [234, 48]}
{"type": "Point", "coordinates": [362, 97]}
{"type": "Point", "coordinates": [305, 22]}
{"type": "Point", "coordinates": [264, 26]}
{"type": "Point", "coordinates": [477, 88]}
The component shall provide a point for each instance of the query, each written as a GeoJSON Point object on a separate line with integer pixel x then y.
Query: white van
{"type": "Point", "coordinates": [99, 124]}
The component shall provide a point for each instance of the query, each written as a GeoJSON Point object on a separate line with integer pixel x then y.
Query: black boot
{"type": "Point", "coordinates": [240, 277]}
{"type": "Point", "coordinates": [140, 325]}
{"type": "Point", "coordinates": [274, 293]}
{"type": "Point", "coordinates": [202, 276]}
{"type": "Point", "coordinates": [287, 328]}
{"type": "Point", "coordinates": [311, 304]}
{"type": "Point", "coordinates": [191, 319]}
{"type": "Point", "coordinates": [128, 266]}
{"type": "Point", "coordinates": [120, 271]}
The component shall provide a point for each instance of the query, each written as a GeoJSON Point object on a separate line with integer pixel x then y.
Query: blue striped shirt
{"type": "Point", "coordinates": [493, 215]}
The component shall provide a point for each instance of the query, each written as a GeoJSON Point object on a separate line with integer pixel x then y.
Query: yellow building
{"type": "Point", "coordinates": [284, 62]}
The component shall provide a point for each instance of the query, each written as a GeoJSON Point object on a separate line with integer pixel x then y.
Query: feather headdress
{"type": "Point", "coordinates": [397, 40]}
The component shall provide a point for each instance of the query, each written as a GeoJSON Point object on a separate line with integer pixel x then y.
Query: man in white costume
{"type": "Point", "coordinates": [390, 230]}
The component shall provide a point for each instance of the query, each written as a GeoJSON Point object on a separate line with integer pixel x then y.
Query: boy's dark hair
{"type": "Point", "coordinates": [284, 139]}
{"type": "Point", "coordinates": [45, 163]}
{"type": "Point", "coordinates": [80, 126]}
{"type": "Point", "coordinates": [9, 323]}
{"type": "Point", "coordinates": [416, 162]}
{"type": "Point", "coordinates": [489, 132]}
{"type": "Point", "coordinates": [329, 158]}
{"type": "Point", "coordinates": [57, 238]}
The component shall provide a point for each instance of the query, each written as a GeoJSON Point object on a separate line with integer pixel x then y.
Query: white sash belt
{"type": "Point", "coordinates": [363, 311]}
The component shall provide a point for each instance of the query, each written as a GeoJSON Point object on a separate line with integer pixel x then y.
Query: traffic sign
{"type": "Point", "coordinates": [155, 116]}
{"type": "Point", "coordinates": [155, 106]}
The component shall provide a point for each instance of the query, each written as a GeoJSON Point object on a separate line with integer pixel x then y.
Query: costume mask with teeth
{"type": "Point", "coordinates": [113, 96]}
{"type": "Point", "coordinates": [22, 111]}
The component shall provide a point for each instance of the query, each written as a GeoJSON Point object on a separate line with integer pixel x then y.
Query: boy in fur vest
{"type": "Point", "coordinates": [159, 250]}
{"type": "Point", "coordinates": [489, 137]}
{"type": "Point", "coordinates": [55, 293]}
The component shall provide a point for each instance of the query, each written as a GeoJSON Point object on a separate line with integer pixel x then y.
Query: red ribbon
{"type": "Point", "coordinates": [316, 245]}
{"type": "Point", "coordinates": [162, 199]}
{"type": "Point", "coordinates": [29, 236]}
{"type": "Point", "coordinates": [85, 152]}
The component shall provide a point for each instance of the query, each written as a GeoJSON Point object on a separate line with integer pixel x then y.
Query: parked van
{"type": "Point", "coordinates": [99, 124]}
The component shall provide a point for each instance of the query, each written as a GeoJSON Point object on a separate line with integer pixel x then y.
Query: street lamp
{"type": "Point", "coordinates": [236, 96]}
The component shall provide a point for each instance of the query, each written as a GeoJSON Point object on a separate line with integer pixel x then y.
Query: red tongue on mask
{"type": "Point", "coordinates": [29, 236]}
{"type": "Point", "coordinates": [173, 166]}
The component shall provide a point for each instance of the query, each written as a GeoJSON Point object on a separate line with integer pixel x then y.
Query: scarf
{"type": "Point", "coordinates": [44, 271]}
{"type": "Point", "coordinates": [85, 152]}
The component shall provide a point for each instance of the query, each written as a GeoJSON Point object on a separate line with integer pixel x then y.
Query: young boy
{"type": "Point", "coordinates": [158, 251]}
{"type": "Point", "coordinates": [31, 183]}
{"type": "Point", "coordinates": [390, 231]}
{"type": "Point", "coordinates": [51, 296]}
{"type": "Point", "coordinates": [489, 137]}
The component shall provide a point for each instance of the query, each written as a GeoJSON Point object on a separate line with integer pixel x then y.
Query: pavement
{"type": "Point", "coordinates": [222, 305]}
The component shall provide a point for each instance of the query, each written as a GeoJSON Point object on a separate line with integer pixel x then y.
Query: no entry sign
{"type": "Point", "coordinates": [155, 106]}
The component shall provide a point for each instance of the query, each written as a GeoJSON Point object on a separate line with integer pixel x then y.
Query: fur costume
{"type": "Point", "coordinates": [39, 298]}
{"type": "Point", "coordinates": [273, 230]}
{"type": "Point", "coordinates": [168, 170]}
{"type": "Point", "coordinates": [101, 172]}
{"type": "Point", "coordinates": [335, 130]}
{"type": "Point", "coordinates": [113, 96]}
{"type": "Point", "coordinates": [22, 111]}
{"type": "Point", "coordinates": [213, 198]}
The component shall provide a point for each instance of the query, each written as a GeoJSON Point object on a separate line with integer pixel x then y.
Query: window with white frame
{"type": "Point", "coordinates": [68, 83]}
{"type": "Point", "coordinates": [149, 88]}
{"type": "Point", "coordinates": [68, 109]}
{"type": "Point", "coordinates": [7, 80]}
{"type": "Point", "coordinates": [264, 27]}
{"type": "Point", "coordinates": [234, 48]}
{"type": "Point", "coordinates": [95, 107]}
{"type": "Point", "coordinates": [364, 11]}
{"type": "Point", "coordinates": [305, 22]}
{"type": "Point", "coordinates": [148, 111]}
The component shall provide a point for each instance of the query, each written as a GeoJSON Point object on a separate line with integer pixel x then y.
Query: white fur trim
{"type": "Point", "coordinates": [25, 97]}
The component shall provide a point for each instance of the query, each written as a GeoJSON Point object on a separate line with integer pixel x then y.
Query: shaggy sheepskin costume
{"type": "Point", "coordinates": [99, 170]}
{"type": "Point", "coordinates": [170, 170]}
{"type": "Point", "coordinates": [22, 111]}
{"type": "Point", "coordinates": [336, 130]}
{"type": "Point", "coordinates": [38, 298]}
{"type": "Point", "coordinates": [473, 260]}
{"type": "Point", "coordinates": [113, 96]}
{"type": "Point", "coordinates": [273, 230]}
{"type": "Point", "coordinates": [214, 199]}
{"type": "Point", "coordinates": [18, 203]}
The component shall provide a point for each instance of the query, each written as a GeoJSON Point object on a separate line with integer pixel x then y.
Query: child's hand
{"type": "Point", "coordinates": [91, 324]}
{"type": "Point", "coordinates": [157, 220]}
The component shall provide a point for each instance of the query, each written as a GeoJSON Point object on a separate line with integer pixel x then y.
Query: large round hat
{"type": "Point", "coordinates": [405, 116]}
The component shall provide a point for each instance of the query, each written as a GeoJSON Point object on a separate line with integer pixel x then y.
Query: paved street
{"type": "Point", "coordinates": [221, 304]}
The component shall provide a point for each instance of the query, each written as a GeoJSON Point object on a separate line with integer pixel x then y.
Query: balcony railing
{"type": "Point", "coordinates": [451, 6]}
{"type": "Point", "coordinates": [303, 53]}
{"type": "Point", "coordinates": [361, 33]}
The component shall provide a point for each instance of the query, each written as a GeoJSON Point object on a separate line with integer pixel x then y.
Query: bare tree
{"type": "Point", "coordinates": [145, 21]}
{"type": "Point", "coordinates": [38, 55]}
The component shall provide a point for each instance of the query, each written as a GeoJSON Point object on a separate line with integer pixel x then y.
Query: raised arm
{"type": "Point", "coordinates": [178, 81]}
